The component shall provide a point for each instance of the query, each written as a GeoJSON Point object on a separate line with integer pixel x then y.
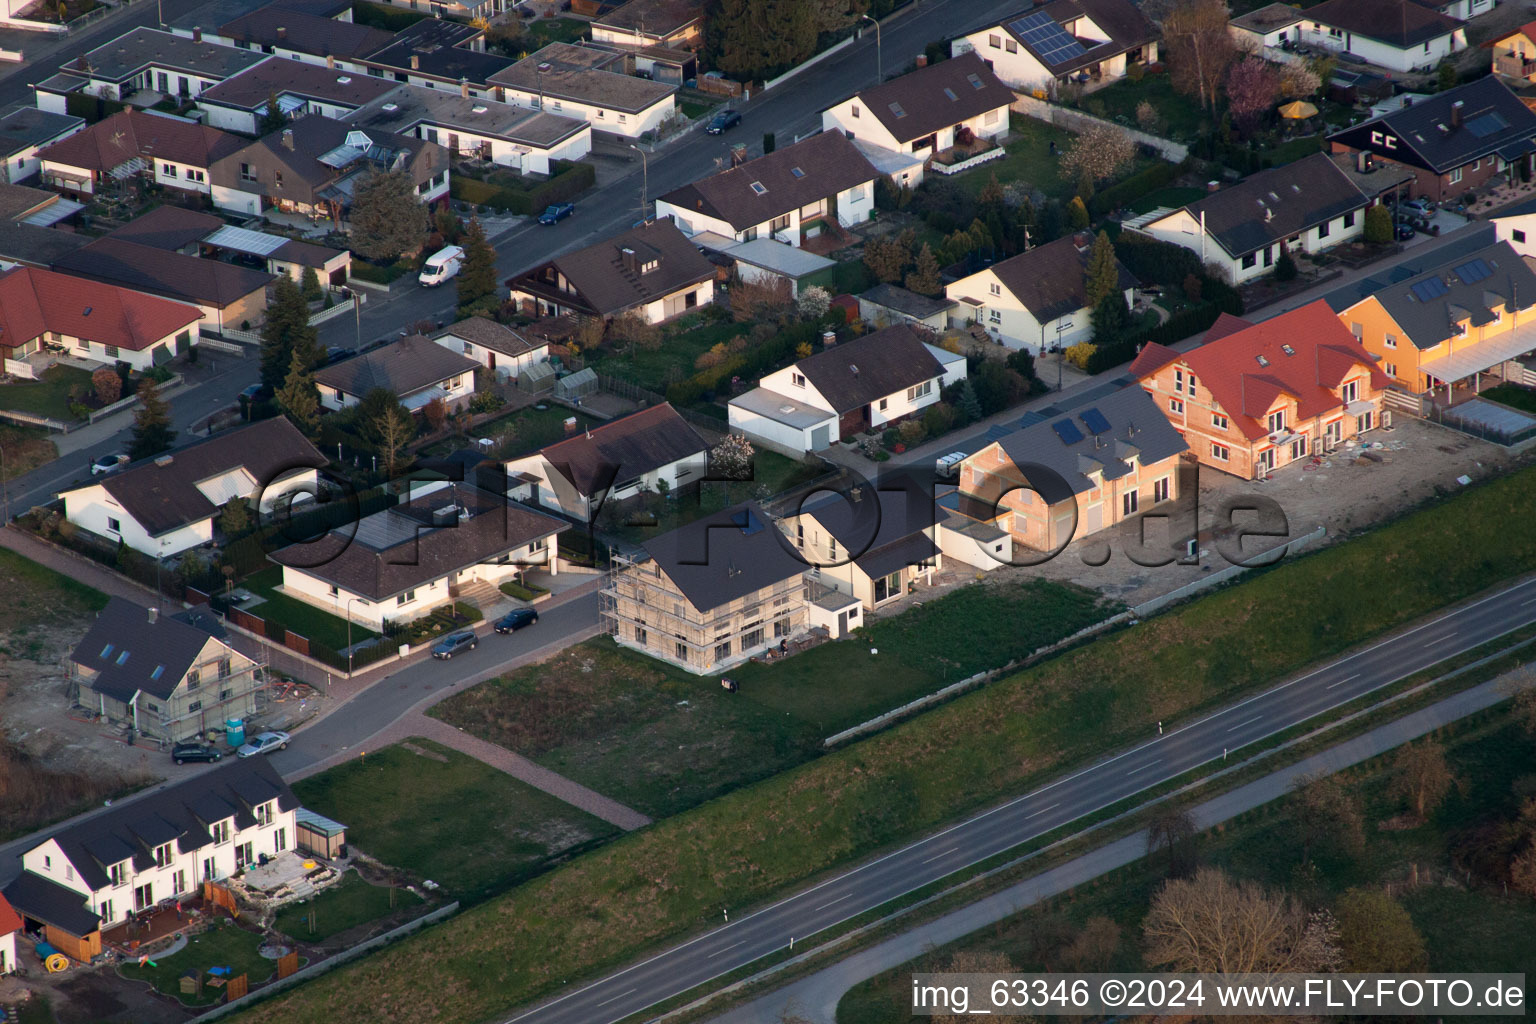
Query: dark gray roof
{"type": "Point", "coordinates": [437, 45]}
{"type": "Point", "coordinates": [1398, 23]}
{"type": "Point", "coordinates": [1428, 305]}
{"type": "Point", "coordinates": [139, 48]}
{"type": "Point", "coordinates": [39, 247]}
{"type": "Point", "coordinates": [169, 227]}
{"type": "Point", "coordinates": [161, 493]}
{"type": "Point", "coordinates": [392, 551]}
{"type": "Point", "coordinates": [161, 272]}
{"type": "Point", "coordinates": [1050, 280]}
{"type": "Point", "coordinates": [892, 296]}
{"type": "Point", "coordinates": [404, 367]}
{"type": "Point", "coordinates": [854, 373]}
{"type": "Point", "coordinates": [1121, 20]}
{"type": "Point", "coordinates": [933, 98]}
{"type": "Point", "coordinates": [1346, 295]}
{"type": "Point", "coordinates": [487, 333]}
{"type": "Point", "coordinates": [30, 126]}
{"type": "Point", "coordinates": [1134, 420]}
{"type": "Point", "coordinates": [606, 286]}
{"type": "Point", "coordinates": [885, 529]}
{"type": "Point", "coordinates": [251, 89]}
{"type": "Point", "coordinates": [181, 813]}
{"type": "Point", "coordinates": [1276, 204]}
{"type": "Point", "coordinates": [51, 903]}
{"type": "Point", "coordinates": [619, 451]}
{"type": "Point", "coordinates": [133, 648]}
{"type": "Point", "coordinates": [408, 106]}
{"type": "Point", "coordinates": [1493, 120]}
{"type": "Point", "coordinates": [305, 33]}
{"type": "Point", "coordinates": [735, 552]}
{"type": "Point", "coordinates": [573, 73]}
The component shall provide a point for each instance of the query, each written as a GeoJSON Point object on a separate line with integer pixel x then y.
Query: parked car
{"type": "Point", "coordinates": [554, 213]}
{"type": "Point", "coordinates": [441, 266]}
{"type": "Point", "coordinates": [109, 463]}
{"type": "Point", "coordinates": [181, 753]}
{"type": "Point", "coordinates": [723, 120]}
{"type": "Point", "coordinates": [516, 619]}
{"type": "Point", "coordinates": [251, 392]}
{"type": "Point", "coordinates": [1417, 207]}
{"type": "Point", "coordinates": [453, 643]}
{"type": "Point", "coordinates": [1405, 231]}
{"type": "Point", "coordinates": [335, 354]}
{"type": "Point", "coordinates": [948, 465]}
{"type": "Point", "coordinates": [264, 742]}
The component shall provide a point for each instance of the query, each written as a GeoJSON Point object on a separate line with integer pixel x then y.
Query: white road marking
{"type": "Point", "coordinates": [621, 995]}
{"type": "Point", "coordinates": [1144, 767]}
{"type": "Point", "coordinates": [838, 900]}
{"type": "Point", "coordinates": [1041, 811]}
{"type": "Point", "coordinates": [1437, 643]}
{"type": "Point", "coordinates": [1341, 682]}
{"type": "Point", "coordinates": [1249, 721]}
{"type": "Point", "coordinates": [727, 949]}
{"type": "Point", "coordinates": [935, 857]}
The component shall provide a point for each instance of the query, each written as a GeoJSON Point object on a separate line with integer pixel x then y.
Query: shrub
{"type": "Point", "coordinates": [1082, 354]}
{"type": "Point", "coordinates": [912, 431]}
{"type": "Point", "coordinates": [485, 400]}
{"type": "Point", "coordinates": [938, 419]}
{"type": "Point", "coordinates": [1378, 225]}
{"type": "Point", "coordinates": [107, 385]}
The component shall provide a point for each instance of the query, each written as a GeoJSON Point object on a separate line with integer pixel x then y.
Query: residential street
{"type": "Point", "coordinates": [1161, 758]}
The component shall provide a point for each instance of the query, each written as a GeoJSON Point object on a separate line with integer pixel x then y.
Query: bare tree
{"type": "Point", "coordinates": [1199, 48]}
{"type": "Point", "coordinates": [1210, 923]}
{"type": "Point", "coordinates": [977, 962]}
{"type": "Point", "coordinates": [1095, 946]}
{"type": "Point", "coordinates": [1172, 829]}
{"type": "Point", "coordinates": [394, 429]}
{"type": "Point", "coordinates": [635, 331]}
{"type": "Point", "coordinates": [1421, 776]}
{"type": "Point", "coordinates": [1326, 810]}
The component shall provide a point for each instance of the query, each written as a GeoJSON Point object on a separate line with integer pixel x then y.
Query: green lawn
{"type": "Point", "coordinates": [1465, 929]}
{"type": "Point", "coordinates": [224, 945]}
{"type": "Point", "coordinates": [459, 822]}
{"type": "Point", "coordinates": [682, 343]}
{"type": "Point", "coordinates": [518, 433]}
{"type": "Point", "coordinates": [1029, 160]}
{"type": "Point", "coordinates": [304, 619]}
{"type": "Point", "coordinates": [1293, 149]}
{"type": "Point", "coordinates": [347, 904]}
{"type": "Point", "coordinates": [772, 473]}
{"type": "Point", "coordinates": [554, 30]}
{"type": "Point", "coordinates": [1172, 198]}
{"type": "Point", "coordinates": [693, 110]}
{"type": "Point", "coordinates": [1512, 395]}
{"type": "Point", "coordinates": [1180, 116]}
{"type": "Point", "coordinates": [598, 712]}
{"type": "Point", "coordinates": [48, 395]}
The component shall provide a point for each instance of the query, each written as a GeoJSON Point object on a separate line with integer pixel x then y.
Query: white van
{"type": "Point", "coordinates": [441, 265]}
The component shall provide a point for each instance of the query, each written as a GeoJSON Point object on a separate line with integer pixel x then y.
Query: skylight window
{"type": "Point", "coordinates": [759, 188]}
{"type": "Point", "coordinates": [974, 80]}
{"type": "Point", "coordinates": [106, 652]}
{"type": "Point", "coordinates": [158, 672]}
{"type": "Point", "coordinates": [122, 658]}
{"type": "Point", "coordinates": [1262, 360]}
{"type": "Point", "coordinates": [1287, 350]}
{"type": "Point", "coordinates": [797, 172]}
{"type": "Point", "coordinates": [896, 109]}
{"type": "Point", "coordinates": [951, 94]}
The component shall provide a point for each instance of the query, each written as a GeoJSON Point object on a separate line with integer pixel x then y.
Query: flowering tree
{"type": "Point", "coordinates": [731, 459]}
{"type": "Point", "coordinates": [1099, 153]}
{"type": "Point", "coordinates": [1252, 88]}
{"type": "Point", "coordinates": [814, 302]}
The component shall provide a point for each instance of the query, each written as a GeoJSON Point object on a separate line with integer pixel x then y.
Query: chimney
{"type": "Point", "coordinates": [415, 62]}
{"type": "Point", "coordinates": [1213, 186]}
{"type": "Point", "coordinates": [628, 258]}
{"type": "Point", "coordinates": [154, 613]}
{"type": "Point", "coordinates": [1363, 162]}
{"type": "Point", "coordinates": [330, 61]}
{"type": "Point", "coordinates": [287, 138]}
{"type": "Point", "coordinates": [1456, 114]}
{"type": "Point", "coordinates": [464, 88]}
{"type": "Point", "coordinates": [282, 31]}
{"type": "Point", "coordinates": [828, 339]}
{"type": "Point", "coordinates": [197, 34]}
{"type": "Point", "coordinates": [922, 60]}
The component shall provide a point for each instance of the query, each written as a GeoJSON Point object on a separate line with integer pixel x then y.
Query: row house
{"type": "Point", "coordinates": [170, 151]}
{"type": "Point", "coordinates": [239, 104]}
{"type": "Point", "coordinates": [588, 83]}
{"type": "Point", "coordinates": [144, 59]}
{"type": "Point", "coordinates": [1254, 398]}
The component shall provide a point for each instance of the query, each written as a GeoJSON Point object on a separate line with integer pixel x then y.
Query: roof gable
{"type": "Point", "coordinates": [1273, 205]}
{"type": "Point", "coordinates": [854, 373]}
{"type": "Point", "coordinates": [933, 98]}
{"type": "Point", "coordinates": [625, 448]}
{"type": "Point", "coordinates": [610, 279]}
{"type": "Point", "coordinates": [33, 301]}
{"type": "Point", "coordinates": [1441, 137]}
{"type": "Point", "coordinates": [1050, 280]}
{"type": "Point", "coordinates": [131, 134]}
{"type": "Point", "coordinates": [717, 559]}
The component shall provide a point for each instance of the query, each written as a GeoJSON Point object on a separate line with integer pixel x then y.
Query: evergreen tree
{"type": "Point", "coordinates": [152, 432]}
{"type": "Point", "coordinates": [924, 278]}
{"type": "Point", "coordinates": [272, 118]}
{"type": "Point", "coordinates": [299, 398]}
{"type": "Point", "coordinates": [1285, 266]}
{"type": "Point", "coordinates": [285, 332]}
{"type": "Point", "coordinates": [387, 221]}
{"type": "Point", "coordinates": [1077, 213]}
{"type": "Point", "coordinates": [1109, 319]}
{"type": "Point", "coordinates": [309, 285]}
{"type": "Point", "coordinates": [477, 277]}
{"type": "Point", "coordinates": [1103, 274]}
{"type": "Point", "coordinates": [750, 39]}
{"type": "Point", "coordinates": [969, 403]}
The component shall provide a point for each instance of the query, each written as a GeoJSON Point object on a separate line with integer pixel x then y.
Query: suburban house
{"type": "Point", "coordinates": [872, 557]}
{"type": "Point", "coordinates": [1273, 27]}
{"type": "Point", "coordinates": [790, 195]}
{"type": "Point", "coordinates": [416, 370]}
{"type": "Point", "coordinates": [494, 346]}
{"type": "Point", "coordinates": [1306, 206]}
{"type": "Point", "coordinates": [652, 271]}
{"type": "Point", "coordinates": [178, 229]}
{"type": "Point", "coordinates": [1451, 323]}
{"type": "Point", "coordinates": [527, 141]}
{"type": "Point", "coordinates": [1453, 141]}
{"type": "Point", "coordinates": [869, 383]}
{"type": "Point", "coordinates": [1254, 398]}
{"type": "Point", "coordinates": [1400, 35]}
{"type": "Point", "coordinates": [1053, 42]}
{"type": "Point", "coordinates": [653, 450]}
{"type": "Point", "coordinates": [926, 111]}
{"type": "Point", "coordinates": [166, 505]}
{"type": "Point", "coordinates": [294, 34]}
{"type": "Point", "coordinates": [169, 151]}
{"type": "Point", "coordinates": [25, 131]}
{"type": "Point", "coordinates": [42, 310]}
{"type": "Point", "coordinates": [674, 24]}
{"type": "Point", "coordinates": [25, 236]}
{"type": "Point", "coordinates": [1064, 479]}
{"type": "Point", "coordinates": [144, 59]}
{"type": "Point", "coordinates": [1517, 225]}
{"type": "Point", "coordinates": [438, 53]}
{"type": "Point", "coordinates": [443, 542]}
{"type": "Point", "coordinates": [711, 594]}
{"type": "Point", "coordinates": [467, 9]}
{"type": "Point", "coordinates": [230, 297]}
{"type": "Point", "coordinates": [312, 166]}
{"type": "Point", "coordinates": [580, 81]}
{"type": "Point", "coordinates": [765, 261]}
{"type": "Point", "coordinates": [1514, 54]}
{"type": "Point", "coordinates": [10, 925]}
{"type": "Point", "coordinates": [90, 875]}
{"type": "Point", "coordinates": [1035, 300]}
{"type": "Point", "coordinates": [162, 677]}
{"type": "Point", "coordinates": [887, 304]}
{"type": "Point", "coordinates": [239, 104]}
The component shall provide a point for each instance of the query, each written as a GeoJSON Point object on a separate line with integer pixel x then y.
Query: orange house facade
{"type": "Point", "coordinates": [1514, 55]}
{"type": "Point", "coordinates": [1255, 398]}
{"type": "Point", "coordinates": [1458, 323]}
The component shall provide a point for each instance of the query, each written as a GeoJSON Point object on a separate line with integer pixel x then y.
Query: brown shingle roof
{"type": "Point", "coordinates": [169, 227]}
{"type": "Point", "coordinates": [1276, 204]}
{"type": "Point", "coordinates": [251, 89]}
{"type": "Point", "coordinates": [403, 368]}
{"type": "Point", "coordinates": [1399, 23]}
{"type": "Point", "coordinates": [1049, 280]}
{"type": "Point", "coordinates": [159, 272]}
{"type": "Point", "coordinates": [935, 97]}
{"type": "Point", "coordinates": [132, 133]}
{"type": "Point", "coordinates": [489, 334]}
{"type": "Point", "coordinates": [826, 164]}
{"type": "Point", "coordinates": [854, 373]}
{"type": "Point", "coordinates": [607, 286]}
{"type": "Point", "coordinates": [624, 449]}
{"type": "Point", "coordinates": [305, 33]}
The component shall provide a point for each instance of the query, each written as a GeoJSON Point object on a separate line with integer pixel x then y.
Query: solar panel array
{"type": "Point", "coordinates": [1485, 125]}
{"type": "Point", "coordinates": [1095, 421]}
{"type": "Point", "coordinates": [1052, 43]}
{"type": "Point", "coordinates": [1430, 290]}
{"type": "Point", "coordinates": [1067, 431]}
{"type": "Point", "coordinates": [1473, 270]}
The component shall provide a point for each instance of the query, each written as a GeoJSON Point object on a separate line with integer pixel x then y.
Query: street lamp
{"type": "Point", "coordinates": [348, 615]}
{"type": "Point", "coordinates": [645, 180]}
{"type": "Point", "coordinates": [879, 58]}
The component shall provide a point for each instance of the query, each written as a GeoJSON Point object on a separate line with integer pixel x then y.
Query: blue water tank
{"type": "Point", "coordinates": [234, 731]}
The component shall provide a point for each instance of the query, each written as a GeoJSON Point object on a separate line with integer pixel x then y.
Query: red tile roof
{"type": "Point", "coordinates": [131, 133]}
{"type": "Point", "coordinates": [34, 301]}
{"type": "Point", "coordinates": [1245, 366]}
{"type": "Point", "coordinates": [10, 921]}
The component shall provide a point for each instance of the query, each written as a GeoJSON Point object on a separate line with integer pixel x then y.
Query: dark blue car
{"type": "Point", "coordinates": [516, 619]}
{"type": "Point", "coordinates": [556, 212]}
{"type": "Point", "coordinates": [453, 643]}
{"type": "Point", "coordinates": [721, 121]}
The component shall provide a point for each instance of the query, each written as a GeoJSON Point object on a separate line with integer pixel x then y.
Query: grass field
{"type": "Point", "coordinates": [457, 821]}
{"type": "Point", "coordinates": [48, 395]}
{"type": "Point", "coordinates": [683, 342]}
{"type": "Point", "coordinates": [26, 448]}
{"type": "Point", "coordinates": [1465, 929]}
{"type": "Point", "coordinates": [223, 945]}
{"type": "Point", "coordinates": [349, 903]}
{"type": "Point", "coordinates": [1180, 116]}
{"type": "Point", "coordinates": [672, 878]}
{"type": "Point", "coordinates": [662, 740]}
{"type": "Point", "coordinates": [520, 432]}
{"type": "Point", "coordinates": [303, 619]}
{"type": "Point", "coordinates": [1029, 160]}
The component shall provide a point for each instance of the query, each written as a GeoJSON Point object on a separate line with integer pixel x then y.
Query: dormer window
{"type": "Point", "coordinates": [1262, 361]}
{"type": "Point", "coordinates": [1350, 391]}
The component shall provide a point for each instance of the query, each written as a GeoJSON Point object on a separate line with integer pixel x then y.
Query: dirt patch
{"type": "Point", "coordinates": [423, 752]}
{"type": "Point", "coordinates": [96, 996]}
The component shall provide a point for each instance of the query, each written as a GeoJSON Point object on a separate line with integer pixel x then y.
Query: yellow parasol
{"type": "Point", "coordinates": [1298, 109]}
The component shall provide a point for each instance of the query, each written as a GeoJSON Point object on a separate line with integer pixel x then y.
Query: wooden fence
{"type": "Point", "coordinates": [218, 896]}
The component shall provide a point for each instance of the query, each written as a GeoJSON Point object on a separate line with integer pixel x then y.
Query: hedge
{"type": "Point", "coordinates": [567, 181]}
{"type": "Point", "coordinates": [1158, 262]}
{"type": "Point", "coordinates": [1160, 175]}
{"type": "Point", "coordinates": [1220, 298]}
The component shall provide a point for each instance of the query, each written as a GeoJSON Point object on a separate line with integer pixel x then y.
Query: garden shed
{"type": "Point", "coordinates": [318, 835]}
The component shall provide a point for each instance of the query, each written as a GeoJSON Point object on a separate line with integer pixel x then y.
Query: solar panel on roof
{"type": "Point", "coordinates": [1474, 270]}
{"type": "Point", "coordinates": [1430, 290]}
{"type": "Point", "coordinates": [1067, 431]}
{"type": "Point", "coordinates": [1095, 421]}
{"type": "Point", "coordinates": [1487, 124]}
{"type": "Point", "coordinates": [1041, 33]}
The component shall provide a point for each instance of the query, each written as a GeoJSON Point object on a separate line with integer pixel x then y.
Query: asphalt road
{"type": "Point", "coordinates": [741, 941]}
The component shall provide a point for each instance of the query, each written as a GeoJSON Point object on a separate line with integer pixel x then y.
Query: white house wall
{"type": "Point", "coordinates": [1427, 54]}
{"type": "Point", "coordinates": [985, 556]}
{"type": "Point", "coordinates": [505, 365]}
{"type": "Point", "coordinates": [7, 952]}
{"type": "Point", "coordinates": [1182, 229]}
{"type": "Point", "coordinates": [1519, 231]}
{"type": "Point", "coordinates": [1009, 321]}
{"type": "Point", "coordinates": [24, 163]}
{"type": "Point", "coordinates": [787, 440]}
{"type": "Point", "coordinates": [91, 508]}
{"type": "Point", "coordinates": [603, 119]}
